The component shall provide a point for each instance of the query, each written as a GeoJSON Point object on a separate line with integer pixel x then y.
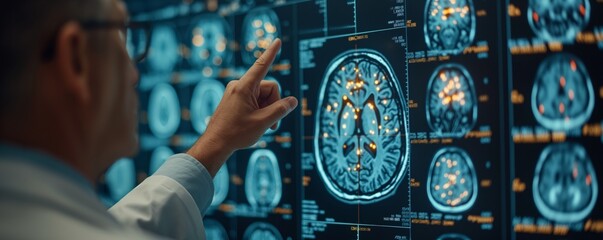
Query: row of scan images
{"type": "Point", "coordinates": [207, 45]}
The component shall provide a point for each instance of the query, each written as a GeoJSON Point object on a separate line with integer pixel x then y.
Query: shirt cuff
{"type": "Point", "coordinates": [192, 175]}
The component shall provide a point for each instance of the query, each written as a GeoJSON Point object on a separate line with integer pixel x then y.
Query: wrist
{"type": "Point", "coordinates": [210, 152]}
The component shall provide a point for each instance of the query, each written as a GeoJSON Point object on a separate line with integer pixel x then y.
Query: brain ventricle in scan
{"type": "Point", "coordinates": [558, 20]}
{"type": "Point", "coordinates": [451, 101]}
{"type": "Point", "coordinates": [449, 25]}
{"type": "Point", "coordinates": [563, 94]}
{"type": "Point", "coordinates": [565, 186]}
{"type": "Point", "coordinates": [452, 182]}
{"type": "Point", "coordinates": [360, 136]}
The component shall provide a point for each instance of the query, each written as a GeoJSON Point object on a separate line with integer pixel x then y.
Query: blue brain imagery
{"type": "Point", "coordinates": [214, 230]}
{"type": "Point", "coordinates": [262, 231]}
{"type": "Point", "coordinates": [562, 95]}
{"type": "Point", "coordinates": [158, 158]}
{"type": "Point", "coordinates": [361, 144]}
{"type": "Point", "coordinates": [164, 111]}
{"type": "Point", "coordinates": [164, 50]}
{"type": "Point", "coordinates": [453, 236]}
{"type": "Point", "coordinates": [121, 178]}
{"type": "Point", "coordinates": [221, 185]}
{"type": "Point", "coordinates": [206, 97]}
{"type": "Point", "coordinates": [263, 183]}
{"type": "Point", "coordinates": [451, 101]}
{"type": "Point", "coordinates": [558, 20]}
{"type": "Point", "coordinates": [449, 25]}
{"type": "Point", "coordinates": [210, 40]}
{"type": "Point", "coordinates": [565, 185]}
{"type": "Point", "coordinates": [452, 181]}
{"type": "Point", "coordinates": [260, 28]}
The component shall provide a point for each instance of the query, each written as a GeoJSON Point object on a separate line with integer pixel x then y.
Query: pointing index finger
{"type": "Point", "coordinates": [260, 68]}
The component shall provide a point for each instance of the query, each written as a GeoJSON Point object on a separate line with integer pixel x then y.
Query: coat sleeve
{"type": "Point", "coordinates": [171, 202]}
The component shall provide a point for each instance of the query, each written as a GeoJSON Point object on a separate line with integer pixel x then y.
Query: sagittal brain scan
{"type": "Point", "coordinates": [558, 20]}
{"type": "Point", "coordinates": [164, 111]}
{"type": "Point", "coordinates": [453, 236]}
{"type": "Point", "coordinates": [452, 182]}
{"type": "Point", "coordinates": [451, 101]}
{"type": "Point", "coordinates": [262, 231]}
{"type": "Point", "coordinates": [206, 97]}
{"type": "Point", "coordinates": [210, 45]}
{"type": "Point", "coordinates": [449, 25]}
{"type": "Point", "coordinates": [120, 178]}
{"type": "Point", "coordinates": [263, 186]}
{"type": "Point", "coordinates": [260, 28]}
{"type": "Point", "coordinates": [214, 230]}
{"type": "Point", "coordinates": [361, 144]}
{"type": "Point", "coordinates": [565, 185]}
{"type": "Point", "coordinates": [158, 157]}
{"type": "Point", "coordinates": [221, 185]}
{"type": "Point", "coordinates": [164, 51]}
{"type": "Point", "coordinates": [562, 95]}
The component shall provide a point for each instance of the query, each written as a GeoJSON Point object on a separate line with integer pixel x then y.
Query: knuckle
{"type": "Point", "coordinates": [260, 61]}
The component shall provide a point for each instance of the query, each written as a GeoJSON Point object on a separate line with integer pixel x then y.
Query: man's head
{"type": "Point", "coordinates": [65, 89]}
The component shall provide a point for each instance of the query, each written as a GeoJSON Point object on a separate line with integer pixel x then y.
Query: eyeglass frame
{"type": "Point", "coordinates": [49, 51]}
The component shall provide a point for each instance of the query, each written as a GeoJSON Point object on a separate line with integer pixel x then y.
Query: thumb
{"type": "Point", "coordinates": [277, 110]}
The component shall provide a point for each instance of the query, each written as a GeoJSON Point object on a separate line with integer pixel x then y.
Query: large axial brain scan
{"type": "Point", "coordinates": [210, 44]}
{"type": "Point", "coordinates": [221, 185]}
{"type": "Point", "coordinates": [214, 230]}
{"type": "Point", "coordinates": [158, 157]}
{"type": "Point", "coordinates": [562, 95]}
{"type": "Point", "coordinates": [260, 28]}
{"type": "Point", "coordinates": [164, 50]}
{"type": "Point", "coordinates": [565, 186]}
{"type": "Point", "coordinates": [263, 186]}
{"type": "Point", "coordinates": [453, 236]}
{"type": "Point", "coordinates": [164, 111]}
{"type": "Point", "coordinates": [449, 25]}
{"type": "Point", "coordinates": [452, 182]}
{"type": "Point", "coordinates": [262, 231]}
{"type": "Point", "coordinates": [451, 101]}
{"type": "Point", "coordinates": [558, 20]}
{"type": "Point", "coordinates": [361, 142]}
{"type": "Point", "coordinates": [206, 97]}
{"type": "Point", "coordinates": [120, 178]}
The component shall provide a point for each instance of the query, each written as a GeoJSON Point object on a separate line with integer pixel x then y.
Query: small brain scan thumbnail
{"type": "Point", "coordinates": [452, 181]}
{"type": "Point", "coordinates": [221, 185]}
{"type": "Point", "coordinates": [206, 98]}
{"type": "Point", "coordinates": [262, 231]}
{"type": "Point", "coordinates": [164, 51]}
{"type": "Point", "coordinates": [449, 25]}
{"type": "Point", "coordinates": [361, 142]}
{"type": "Point", "coordinates": [451, 101]}
{"type": "Point", "coordinates": [260, 28]}
{"type": "Point", "coordinates": [158, 158]}
{"type": "Point", "coordinates": [565, 186]}
{"type": "Point", "coordinates": [263, 183]}
{"type": "Point", "coordinates": [563, 97]}
{"type": "Point", "coordinates": [453, 236]}
{"type": "Point", "coordinates": [121, 178]}
{"type": "Point", "coordinates": [558, 20]}
{"type": "Point", "coordinates": [164, 111]}
{"type": "Point", "coordinates": [214, 230]}
{"type": "Point", "coordinates": [210, 39]}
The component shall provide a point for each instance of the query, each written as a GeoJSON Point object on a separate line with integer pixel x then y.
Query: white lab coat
{"type": "Point", "coordinates": [40, 198]}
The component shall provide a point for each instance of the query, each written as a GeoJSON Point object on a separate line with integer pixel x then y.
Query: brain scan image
{"type": "Point", "coordinates": [158, 157]}
{"type": "Point", "coordinates": [210, 45]}
{"type": "Point", "coordinates": [280, 90]}
{"type": "Point", "coordinates": [206, 97]}
{"type": "Point", "coordinates": [565, 186]}
{"type": "Point", "coordinates": [449, 25]}
{"type": "Point", "coordinates": [558, 20]}
{"type": "Point", "coordinates": [451, 101]}
{"type": "Point", "coordinates": [263, 186]}
{"type": "Point", "coordinates": [221, 185]}
{"type": "Point", "coordinates": [121, 178]}
{"type": "Point", "coordinates": [453, 236]}
{"type": "Point", "coordinates": [214, 230]}
{"type": "Point", "coordinates": [260, 28]}
{"type": "Point", "coordinates": [452, 182]}
{"type": "Point", "coordinates": [361, 145]}
{"type": "Point", "coordinates": [562, 96]}
{"type": "Point", "coordinates": [164, 50]}
{"type": "Point", "coordinates": [262, 231]}
{"type": "Point", "coordinates": [164, 111]}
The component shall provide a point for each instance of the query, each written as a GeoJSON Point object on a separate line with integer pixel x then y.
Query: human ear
{"type": "Point", "coordinates": [71, 61]}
